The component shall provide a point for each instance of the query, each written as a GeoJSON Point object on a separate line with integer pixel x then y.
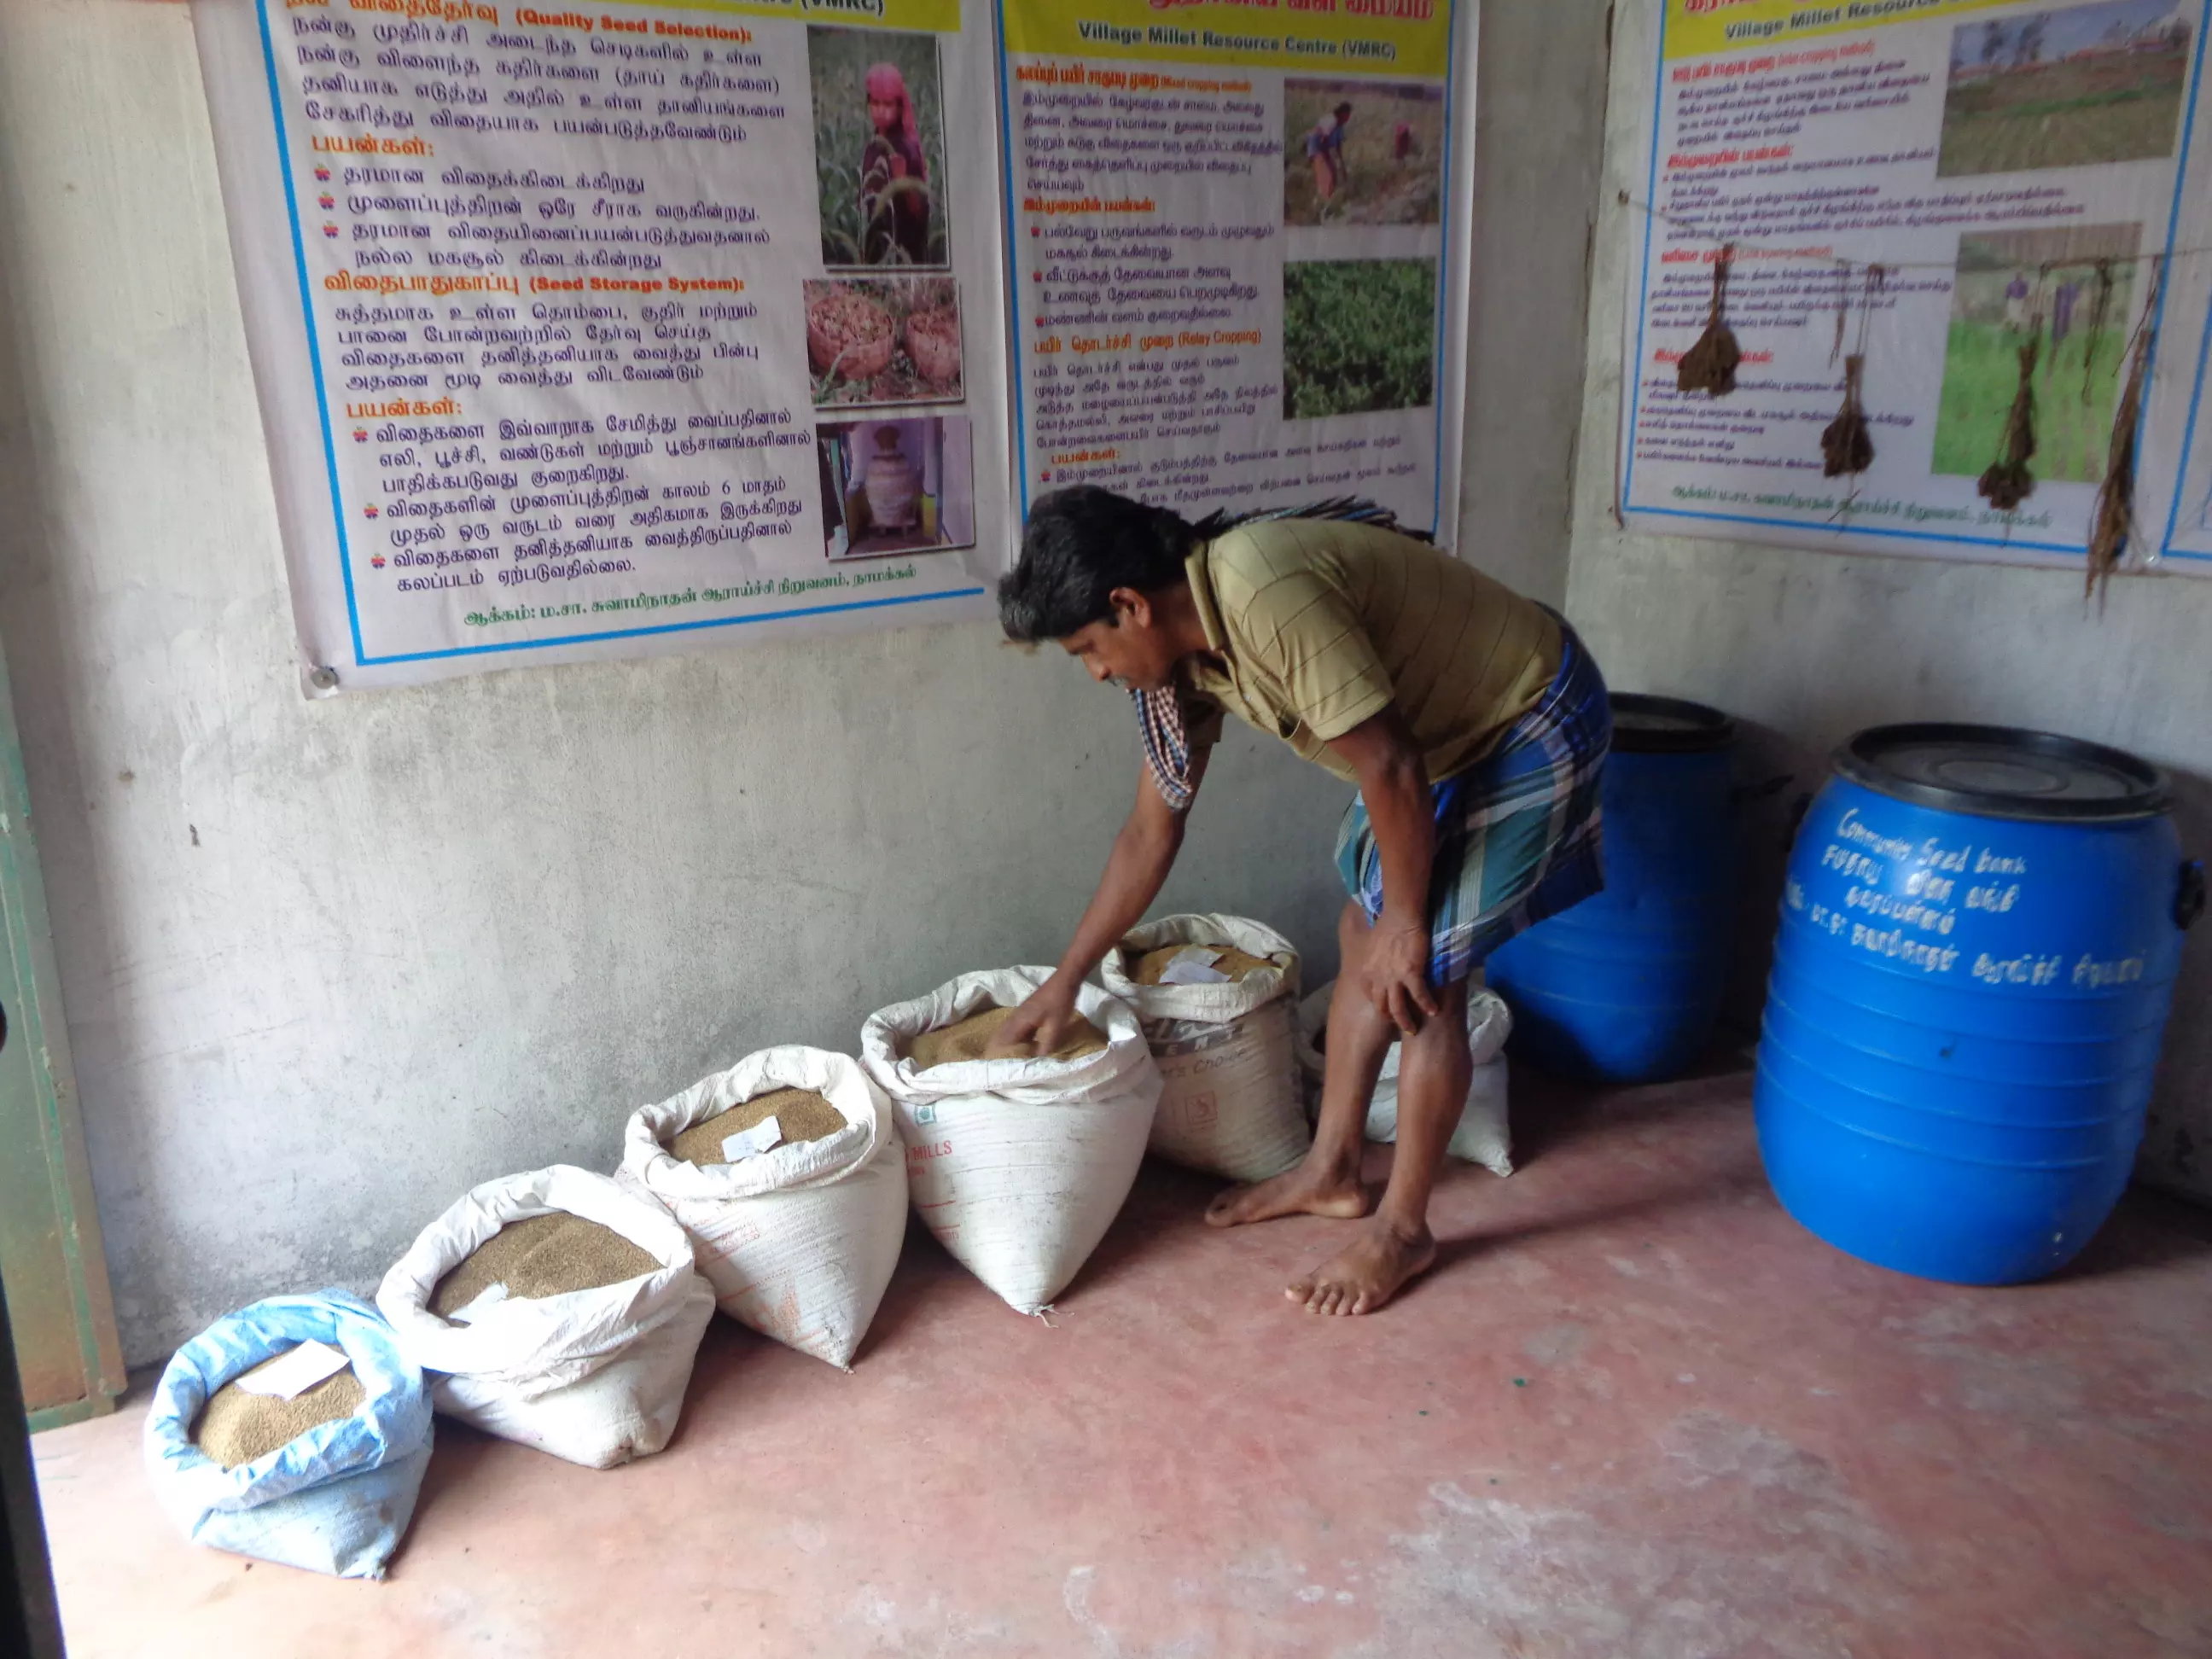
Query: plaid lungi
{"type": "Point", "coordinates": [1519, 833]}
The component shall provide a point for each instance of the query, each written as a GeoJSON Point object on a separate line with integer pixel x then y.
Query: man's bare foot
{"type": "Point", "coordinates": [1366, 1273]}
{"type": "Point", "coordinates": [1302, 1190]}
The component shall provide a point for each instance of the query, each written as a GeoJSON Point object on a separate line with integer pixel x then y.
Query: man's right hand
{"type": "Point", "coordinates": [1039, 1026]}
{"type": "Point", "coordinates": [1143, 854]}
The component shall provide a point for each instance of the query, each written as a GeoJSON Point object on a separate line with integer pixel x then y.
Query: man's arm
{"type": "Point", "coordinates": [1144, 852]}
{"type": "Point", "coordinates": [1395, 784]}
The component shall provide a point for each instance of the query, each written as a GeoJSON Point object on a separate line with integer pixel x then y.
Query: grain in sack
{"type": "Point", "coordinates": [1483, 1135]}
{"type": "Point", "coordinates": [799, 1241]}
{"type": "Point", "coordinates": [596, 1375]}
{"type": "Point", "coordinates": [1017, 1166]}
{"type": "Point", "coordinates": [1231, 1100]}
{"type": "Point", "coordinates": [325, 1481]}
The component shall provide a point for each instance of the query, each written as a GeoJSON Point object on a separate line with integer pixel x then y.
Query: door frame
{"type": "Point", "coordinates": [34, 1018]}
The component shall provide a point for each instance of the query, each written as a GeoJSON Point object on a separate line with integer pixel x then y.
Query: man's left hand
{"type": "Point", "coordinates": [1397, 976]}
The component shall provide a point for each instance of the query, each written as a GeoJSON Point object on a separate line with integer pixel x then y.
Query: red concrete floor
{"type": "Point", "coordinates": [1635, 1414]}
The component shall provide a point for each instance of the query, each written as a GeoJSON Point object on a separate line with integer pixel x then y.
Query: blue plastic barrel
{"type": "Point", "coordinates": [1980, 932]}
{"type": "Point", "coordinates": [1627, 985]}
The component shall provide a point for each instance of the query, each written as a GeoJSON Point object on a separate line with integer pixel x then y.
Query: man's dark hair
{"type": "Point", "coordinates": [1080, 545]}
{"type": "Point", "coordinates": [1343, 112]}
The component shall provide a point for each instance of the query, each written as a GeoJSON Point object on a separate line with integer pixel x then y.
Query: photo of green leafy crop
{"type": "Point", "coordinates": [2078, 364]}
{"type": "Point", "coordinates": [1358, 334]}
{"type": "Point", "coordinates": [857, 219]}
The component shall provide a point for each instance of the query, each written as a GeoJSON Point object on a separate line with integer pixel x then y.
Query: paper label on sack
{"type": "Point", "coordinates": [765, 1136]}
{"type": "Point", "coordinates": [290, 1375]}
{"type": "Point", "coordinates": [489, 1298]}
{"type": "Point", "coordinates": [1194, 965]}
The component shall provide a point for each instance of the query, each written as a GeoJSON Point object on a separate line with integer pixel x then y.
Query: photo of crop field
{"type": "Point", "coordinates": [1357, 335]}
{"type": "Point", "coordinates": [2010, 284]}
{"type": "Point", "coordinates": [1381, 165]}
{"type": "Point", "coordinates": [2079, 87]}
{"type": "Point", "coordinates": [879, 207]}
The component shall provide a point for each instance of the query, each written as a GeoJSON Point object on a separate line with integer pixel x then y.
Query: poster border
{"type": "Point", "coordinates": [307, 316]}
{"type": "Point", "coordinates": [2166, 550]}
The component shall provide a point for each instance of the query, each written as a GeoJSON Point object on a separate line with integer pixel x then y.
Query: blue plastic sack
{"type": "Point", "coordinates": [336, 1499]}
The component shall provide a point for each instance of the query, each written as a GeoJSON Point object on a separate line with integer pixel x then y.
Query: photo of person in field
{"type": "Point", "coordinates": [2072, 290]}
{"type": "Point", "coordinates": [1363, 152]}
{"type": "Point", "coordinates": [2081, 86]}
{"type": "Point", "coordinates": [1325, 150]}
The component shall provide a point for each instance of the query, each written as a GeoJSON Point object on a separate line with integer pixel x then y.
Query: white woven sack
{"type": "Point", "coordinates": [596, 1376]}
{"type": "Point", "coordinates": [1230, 1101]}
{"type": "Point", "coordinates": [1018, 1166]}
{"type": "Point", "coordinates": [799, 1241]}
{"type": "Point", "coordinates": [627, 1408]}
{"type": "Point", "coordinates": [1483, 1135]}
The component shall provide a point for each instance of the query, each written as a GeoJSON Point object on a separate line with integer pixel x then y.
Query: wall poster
{"type": "Point", "coordinates": [1239, 248]}
{"type": "Point", "coordinates": [591, 329]}
{"type": "Point", "coordinates": [2011, 166]}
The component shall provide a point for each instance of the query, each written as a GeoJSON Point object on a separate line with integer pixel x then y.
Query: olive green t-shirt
{"type": "Point", "coordinates": [1313, 625]}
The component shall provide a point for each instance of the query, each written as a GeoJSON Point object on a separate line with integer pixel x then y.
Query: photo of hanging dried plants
{"type": "Point", "coordinates": [2072, 292]}
{"type": "Point", "coordinates": [2080, 87]}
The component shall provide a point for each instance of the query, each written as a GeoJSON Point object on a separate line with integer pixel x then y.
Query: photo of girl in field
{"type": "Point", "coordinates": [878, 148]}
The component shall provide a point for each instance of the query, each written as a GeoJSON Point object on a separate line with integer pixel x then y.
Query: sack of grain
{"type": "Point", "coordinates": [594, 1375]}
{"type": "Point", "coordinates": [1484, 1136]}
{"type": "Point", "coordinates": [1018, 1166]}
{"type": "Point", "coordinates": [325, 1481]}
{"type": "Point", "coordinates": [797, 1241]}
{"type": "Point", "coordinates": [1230, 1100]}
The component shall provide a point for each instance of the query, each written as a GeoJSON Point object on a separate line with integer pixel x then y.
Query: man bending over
{"type": "Point", "coordinates": [1472, 721]}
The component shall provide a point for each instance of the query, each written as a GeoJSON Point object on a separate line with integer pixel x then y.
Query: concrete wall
{"type": "Point", "coordinates": [326, 964]}
{"type": "Point", "coordinates": [1540, 132]}
{"type": "Point", "coordinates": [1812, 647]}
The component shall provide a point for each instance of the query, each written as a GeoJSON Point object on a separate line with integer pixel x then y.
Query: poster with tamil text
{"type": "Point", "coordinates": [589, 329]}
{"type": "Point", "coordinates": [1239, 239]}
{"type": "Point", "coordinates": [2009, 167]}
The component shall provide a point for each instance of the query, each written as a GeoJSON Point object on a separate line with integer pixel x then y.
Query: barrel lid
{"type": "Point", "coordinates": [2003, 772]}
{"type": "Point", "coordinates": [1645, 725]}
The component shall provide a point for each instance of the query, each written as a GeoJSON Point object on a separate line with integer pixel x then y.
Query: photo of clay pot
{"type": "Point", "coordinates": [876, 341]}
{"type": "Point", "coordinates": [905, 485]}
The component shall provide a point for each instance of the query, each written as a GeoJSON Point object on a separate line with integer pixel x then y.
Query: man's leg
{"type": "Point", "coordinates": [1433, 1074]}
{"type": "Point", "coordinates": [1326, 1181]}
